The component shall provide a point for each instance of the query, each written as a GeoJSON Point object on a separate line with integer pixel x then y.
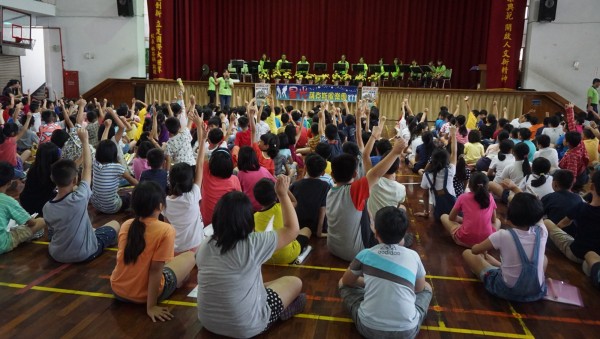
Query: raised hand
{"type": "Point", "coordinates": [82, 133]}
{"type": "Point", "coordinates": [282, 185]}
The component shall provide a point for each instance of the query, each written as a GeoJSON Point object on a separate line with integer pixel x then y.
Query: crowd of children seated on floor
{"type": "Point", "coordinates": [227, 190]}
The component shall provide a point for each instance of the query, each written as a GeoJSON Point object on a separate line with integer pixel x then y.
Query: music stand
{"type": "Point", "coordinates": [404, 68]}
{"type": "Point", "coordinates": [253, 67]}
{"type": "Point", "coordinates": [339, 68]}
{"type": "Point", "coordinates": [286, 65]}
{"type": "Point", "coordinates": [426, 69]}
{"type": "Point", "coordinates": [302, 68]}
{"type": "Point", "coordinates": [319, 67]}
{"type": "Point", "coordinates": [416, 70]}
{"type": "Point", "coordinates": [238, 65]}
{"type": "Point", "coordinates": [269, 65]}
{"type": "Point", "coordinates": [389, 68]}
{"type": "Point", "coordinates": [358, 68]}
{"type": "Point", "coordinates": [374, 68]}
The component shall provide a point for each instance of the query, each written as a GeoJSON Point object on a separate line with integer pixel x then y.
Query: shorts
{"type": "Point", "coordinates": [106, 236]}
{"type": "Point", "coordinates": [168, 289]}
{"type": "Point", "coordinates": [125, 202]}
{"type": "Point", "coordinates": [303, 241]}
{"type": "Point", "coordinates": [505, 195]}
{"type": "Point", "coordinates": [19, 235]}
{"type": "Point", "coordinates": [595, 274]}
{"type": "Point", "coordinates": [494, 284]}
{"type": "Point", "coordinates": [275, 304]}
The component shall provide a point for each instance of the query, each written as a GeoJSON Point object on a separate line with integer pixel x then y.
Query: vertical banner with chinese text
{"type": "Point", "coordinates": [507, 19]}
{"type": "Point", "coordinates": [160, 15]}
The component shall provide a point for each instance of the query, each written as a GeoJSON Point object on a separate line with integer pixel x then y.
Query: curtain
{"type": "Point", "coordinates": [194, 33]}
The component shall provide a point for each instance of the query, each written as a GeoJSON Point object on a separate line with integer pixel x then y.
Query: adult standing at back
{"type": "Point", "coordinates": [592, 96]}
{"type": "Point", "coordinates": [343, 61]}
{"type": "Point", "coordinates": [225, 89]}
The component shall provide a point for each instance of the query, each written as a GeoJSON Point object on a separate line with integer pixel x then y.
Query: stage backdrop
{"type": "Point", "coordinates": [185, 34]}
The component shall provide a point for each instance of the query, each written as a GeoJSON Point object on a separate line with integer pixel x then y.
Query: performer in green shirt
{"type": "Point", "coordinates": [439, 72]}
{"type": "Point", "coordinates": [361, 61]}
{"type": "Point", "coordinates": [280, 61]}
{"type": "Point", "coordinates": [225, 89]}
{"type": "Point", "coordinates": [343, 61]}
{"type": "Point", "coordinates": [382, 72]}
{"type": "Point", "coordinates": [212, 86]}
{"type": "Point", "coordinates": [261, 62]}
{"type": "Point", "coordinates": [396, 73]}
{"type": "Point", "coordinates": [592, 96]}
{"type": "Point", "coordinates": [302, 62]}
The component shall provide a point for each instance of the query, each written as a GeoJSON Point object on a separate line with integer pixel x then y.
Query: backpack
{"type": "Point", "coordinates": [444, 201]}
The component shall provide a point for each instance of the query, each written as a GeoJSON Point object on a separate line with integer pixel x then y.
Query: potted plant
{"type": "Point", "coordinates": [276, 75]}
{"type": "Point", "coordinates": [359, 78]}
{"type": "Point", "coordinates": [299, 78]}
{"type": "Point", "coordinates": [310, 78]}
{"type": "Point", "coordinates": [336, 77]}
{"type": "Point", "coordinates": [287, 76]}
{"type": "Point", "coordinates": [373, 78]}
{"type": "Point", "coordinates": [346, 77]}
{"type": "Point", "coordinates": [263, 76]}
{"type": "Point", "coordinates": [323, 78]}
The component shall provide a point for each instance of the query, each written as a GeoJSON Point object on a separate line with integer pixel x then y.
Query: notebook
{"type": "Point", "coordinates": [562, 292]}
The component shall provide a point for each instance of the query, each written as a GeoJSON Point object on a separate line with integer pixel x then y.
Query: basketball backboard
{"type": "Point", "coordinates": [16, 28]}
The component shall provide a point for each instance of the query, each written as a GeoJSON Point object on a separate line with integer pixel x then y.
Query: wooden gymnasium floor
{"type": "Point", "coordinates": [41, 297]}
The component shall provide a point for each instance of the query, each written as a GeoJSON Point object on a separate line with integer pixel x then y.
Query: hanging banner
{"type": "Point", "coordinates": [160, 17]}
{"type": "Point", "coordinates": [369, 95]}
{"type": "Point", "coordinates": [332, 93]}
{"type": "Point", "coordinates": [507, 19]}
{"type": "Point", "coordinates": [261, 91]}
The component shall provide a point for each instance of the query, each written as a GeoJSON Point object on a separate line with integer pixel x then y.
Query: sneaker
{"type": "Point", "coordinates": [294, 308]}
{"type": "Point", "coordinates": [38, 234]}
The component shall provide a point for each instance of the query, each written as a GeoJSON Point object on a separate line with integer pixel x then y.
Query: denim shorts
{"type": "Point", "coordinates": [106, 236]}
{"type": "Point", "coordinates": [494, 284]}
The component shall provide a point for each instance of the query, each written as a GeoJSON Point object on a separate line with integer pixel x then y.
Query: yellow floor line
{"type": "Point", "coordinates": [520, 320]}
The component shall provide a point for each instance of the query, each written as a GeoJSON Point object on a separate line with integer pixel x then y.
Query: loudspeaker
{"type": "Point", "coordinates": [547, 10]}
{"type": "Point", "coordinates": [125, 7]}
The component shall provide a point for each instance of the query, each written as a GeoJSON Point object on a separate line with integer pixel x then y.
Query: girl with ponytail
{"type": "Point", "coordinates": [514, 173]}
{"type": "Point", "coordinates": [539, 183]}
{"type": "Point", "coordinates": [479, 214]}
{"type": "Point", "coordinates": [146, 271]}
{"type": "Point", "coordinates": [267, 149]}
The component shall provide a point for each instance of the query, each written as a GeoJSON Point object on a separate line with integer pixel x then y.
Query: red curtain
{"type": "Point", "coordinates": [213, 32]}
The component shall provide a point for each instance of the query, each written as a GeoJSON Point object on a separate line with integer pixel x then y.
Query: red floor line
{"type": "Point", "coordinates": [43, 278]}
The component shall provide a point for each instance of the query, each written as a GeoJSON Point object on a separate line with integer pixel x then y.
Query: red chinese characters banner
{"type": "Point", "coordinates": [507, 19]}
{"type": "Point", "coordinates": [160, 13]}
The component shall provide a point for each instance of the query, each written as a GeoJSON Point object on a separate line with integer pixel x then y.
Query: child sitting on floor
{"type": "Point", "coordinates": [515, 172]}
{"type": "Point", "coordinates": [474, 148]}
{"type": "Point", "coordinates": [520, 275]}
{"type": "Point", "coordinates": [479, 214]}
{"type": "Point", "coordinates": [146, 271]}
{"type": "Point", "coordinates": [538, 183]}
{"type": "Point", "coordinates": [11, 210]}
{"type": "Point", "coordinates": [179, 146]}
{"type": "Point", "coordinates": [562, 200]}
{"type": "Point", "coordinates": [384, 288]}
{"type": "Point", "coordinates": [140, 162]}
{"type": "Point", "coordinates": [270, 217]}
{"type": "Point", "coordinates": [311, 195]}
{"type": "Point", "coordinates": [156, 173]}
{"type": "Point", "coordinates": [232, 298]}
{"type": "Point", "coordinates": [586, 218]}
{"type": "Point", "coordinates": [72, 237]}
{"type": "Point", "coordinates": [39, 187]}
{"type": "Point", "coordinates": [592, 262]}
{"type": "Point", "coordinates": [49, 126]}
{"type": "Point", "coordinates": [183, 209]}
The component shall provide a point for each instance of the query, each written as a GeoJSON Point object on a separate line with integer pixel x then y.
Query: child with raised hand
{"type": "Point", "coordinates": [9, 134]}
{"type": "Point", "coordinates": [250, 172]}
{"type": "Point", "coordinates": [107, 171]}
{"type": "Point", "coordinates": [49, 125]}
{"type": "Point", "coordinates": [384, 288]}
{"type": "Point", "coordinates": [183, 210]}
{"type": "Point", "coordinates": [270, 215]}
{"type": "Point", "coordinates": [39, 187]}
{"type": "Point", "coordinates": [146, 271]}
{"type": "Point", "coordinates": [11, 210]}
{"type": "Point", "coordinates": [179, 147]}
{"type": "Point", "coordinates": [515, 172]}
{"type": "Point", "coordinates": [479, 219]}
{"type": "Point", "coordinates": [520, 275]}
{"type": "Point", "coordinates": [348, 233]}
{"type": "Point", "coordinates": [72, 237]}
{"type": "Point", "coordinates": [217, 180]}
{"type": "Point", "coordinates": [232, 298]}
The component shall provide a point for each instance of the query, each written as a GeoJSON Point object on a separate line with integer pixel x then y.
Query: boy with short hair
{"type": "Point", "coordinates": [243, 137]}
{"type": "Point", "coordinates": [558, 203]}
{"type": "Point", "coordinates": [545, 151]}
{"type": "Point", "coordinates": [156, 173]}
{"type": "Point", "coordinates": [311, 195]}
{"type": "Point", "coordinates": [586, 218]}
{"type": "Point", "coordinates": [72, 237]}
{"type": "Point", "coordinates": [384, 288]}
{"type": "Point", "coordinates": [179, 147]}
{"type": "Point", "coordinates": [11, 210]}
{"type": "Point", "coordinates": [347, 235]}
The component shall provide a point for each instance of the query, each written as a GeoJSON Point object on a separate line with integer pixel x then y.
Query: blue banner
{"type": "Point", "coordinates": [296, 92]}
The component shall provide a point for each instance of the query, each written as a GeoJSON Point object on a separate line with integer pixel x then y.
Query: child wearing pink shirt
{"type": "Point", "coordinates": [479, 214]}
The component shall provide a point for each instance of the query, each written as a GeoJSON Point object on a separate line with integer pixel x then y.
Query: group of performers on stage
{"type": "Point", "coordinates": [430, 75]}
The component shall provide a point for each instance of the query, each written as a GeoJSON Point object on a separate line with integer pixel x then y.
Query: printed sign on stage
{"type": "Point", "coordinates": [261, 91]}
{"type": "Point", "coordinates": [296, 92]}
{"type": "Point", "coordinates": [369, 95]}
